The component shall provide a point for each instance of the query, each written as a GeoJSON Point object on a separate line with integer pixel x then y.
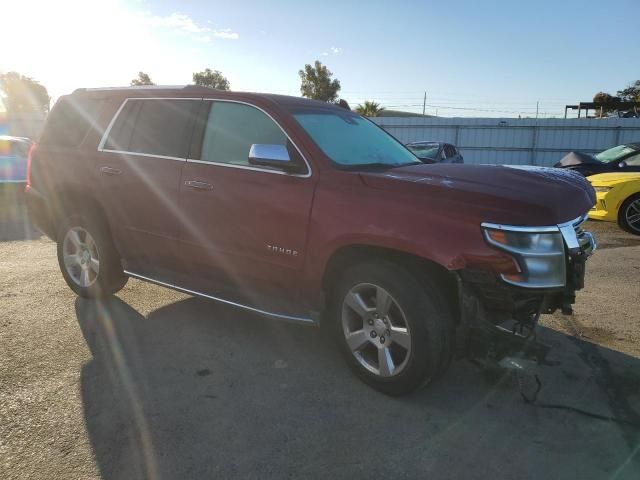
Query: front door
{"type": "Point", "coordinates": [139, 163]}
{"type": "Point", "coordinates": [244, 228]}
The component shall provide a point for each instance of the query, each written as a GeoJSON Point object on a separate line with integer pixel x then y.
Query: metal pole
{"type": "Point", "coordinates": [537, 105]}
{"type": "Point", "coordinates": [424, 103]}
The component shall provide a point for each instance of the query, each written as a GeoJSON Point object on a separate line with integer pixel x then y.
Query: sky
{"type": "Point", "coordinates": [472, 58]}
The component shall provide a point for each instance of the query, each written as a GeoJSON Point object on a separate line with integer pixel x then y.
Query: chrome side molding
{"type": "Point", "coordinates": [264, 313]}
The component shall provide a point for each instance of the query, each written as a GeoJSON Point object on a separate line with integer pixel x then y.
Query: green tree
{"type": "Point", "coordinates": [211, 78]}
{"type": "Point", "coordinates": [631, 93]}
{"type": "Point", "coordinates": [601, 98]}
{"type": "Point", "coordinates": [316, 83]}
{"type": "Point", "coordinates": [23, 94]}
{"type": "Point", "coordinates": [143, 79]}
{"type": "Point", "coordinates": [369, 108]}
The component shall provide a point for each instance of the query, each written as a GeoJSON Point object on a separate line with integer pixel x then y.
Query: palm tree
{"type": "Point", "coordinates": [369, 108]}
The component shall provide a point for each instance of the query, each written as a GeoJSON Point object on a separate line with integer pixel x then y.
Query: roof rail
{"type": "Point", "coordinates": [137, 87]}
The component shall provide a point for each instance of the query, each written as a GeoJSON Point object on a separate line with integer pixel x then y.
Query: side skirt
{"type": "Point", "coordinates": [264, 313]}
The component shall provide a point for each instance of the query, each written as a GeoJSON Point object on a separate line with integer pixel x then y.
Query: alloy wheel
{"type": "Point", "coordinates": [81, 258]}
{"type": "Point", "coordinates": [632, 215]}
{"type": "Point", "coordinates": [376, 330]}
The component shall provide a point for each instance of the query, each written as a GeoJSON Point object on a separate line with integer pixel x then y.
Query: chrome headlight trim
{"type": "Point", "coordinates": [574, 241]}
{"type": "Point", "coordinates": [533, 264]}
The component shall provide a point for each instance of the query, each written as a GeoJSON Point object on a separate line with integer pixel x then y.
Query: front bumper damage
{"type": "Point", "coordinates": [498, 320]}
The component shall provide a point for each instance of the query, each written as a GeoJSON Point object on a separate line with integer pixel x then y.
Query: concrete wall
{"type": "Point", "coordinates": [516, 141]}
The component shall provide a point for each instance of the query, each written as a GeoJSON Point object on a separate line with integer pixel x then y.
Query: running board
{"type": "Point", "coordinates": [277, 316]}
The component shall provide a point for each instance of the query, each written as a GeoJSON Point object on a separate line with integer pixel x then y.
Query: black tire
{"type": "Point", "coordinates": [110, 277]}
{"type": "Point", "coordinates": [622, 215]}
{"type": "Point", "coordinates": [426, 314]}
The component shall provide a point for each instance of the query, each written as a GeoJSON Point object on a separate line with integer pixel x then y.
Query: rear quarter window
{"type": "Point", "coordinates": [70, 120]}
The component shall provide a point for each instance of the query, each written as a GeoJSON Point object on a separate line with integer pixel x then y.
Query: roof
{"type": "Point", "coordinates": [181, 90]}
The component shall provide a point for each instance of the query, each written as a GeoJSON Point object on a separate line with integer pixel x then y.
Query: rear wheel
{"type": "Point", "coordinates": [88, 260]}
{"type": "Point", "coordinates": [629, 215]}
{"type": "Point", "coordinates": [392, 327]}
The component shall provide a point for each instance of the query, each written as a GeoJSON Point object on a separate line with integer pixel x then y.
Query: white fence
{"type": "Point", "coordinates": [516, 141]}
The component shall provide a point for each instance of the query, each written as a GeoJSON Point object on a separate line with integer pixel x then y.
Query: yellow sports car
{"type": "Point", "coordinates": [618, 199]}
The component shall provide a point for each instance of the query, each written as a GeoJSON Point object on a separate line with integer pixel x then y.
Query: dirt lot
{"type": "Point", "coordinates": [155, 384]}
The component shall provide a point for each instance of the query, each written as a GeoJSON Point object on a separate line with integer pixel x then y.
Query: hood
{"type": "Point", "coordinates": [510, 195]}
{"type": "Point", "coordinates": [577, 158]}
{"type": "Point", "coordinates": [609, 179]}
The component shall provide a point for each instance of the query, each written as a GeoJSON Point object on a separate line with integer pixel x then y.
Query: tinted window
{"type": "Point", "coordinates": [120, 133]}
{"type": "Point", "coordinates": [154, 127]}
{"type": "Point", "coordinates": [229, 129]}
{"type": "Point", "coordinates": [69, 121]}
{"type": "Point", "coordinates": [449, 151]}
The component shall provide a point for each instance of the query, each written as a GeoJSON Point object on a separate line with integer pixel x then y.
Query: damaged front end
{"type": "Point", "coordinates": [499, 314]}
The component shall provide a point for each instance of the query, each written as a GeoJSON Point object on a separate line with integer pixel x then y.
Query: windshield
{"type": "Point", "coordinates": [613, 154]}
{"type": "Point", "coordinates": [352, 141]}
{"type": "Point", "coordinates": [429, 150]}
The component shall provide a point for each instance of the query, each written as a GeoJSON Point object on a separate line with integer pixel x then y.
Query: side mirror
{"type": "Point", "coordinates": [622, 164]}
{"type": "Point", "coordinates": [274, 156]}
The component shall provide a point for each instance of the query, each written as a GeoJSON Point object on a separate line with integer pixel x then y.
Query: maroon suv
{"type": "Point", "coordinates": [304, 211]}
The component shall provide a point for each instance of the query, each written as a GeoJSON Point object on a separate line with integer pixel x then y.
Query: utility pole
{"type": "Point", "coordinates": [424, 103]}
{"type": "Point", "coordinates": [537, 105]}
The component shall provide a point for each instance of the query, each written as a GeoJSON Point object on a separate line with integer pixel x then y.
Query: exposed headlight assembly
{"type": "Point", "coordinates": [602, 189]}
{"type": "Point", "coordinates": [539, 252]}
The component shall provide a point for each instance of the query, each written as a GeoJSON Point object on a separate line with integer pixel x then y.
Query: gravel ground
{"type": "Point", "coordinates": [155, 384]}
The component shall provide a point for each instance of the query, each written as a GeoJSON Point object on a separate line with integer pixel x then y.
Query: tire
{"type": "Point", "coordinates": [402, 350]}
{"type": "Point", "coordinates": [631, 206]}
{"type": "Point", "coordinates": [87, 257]}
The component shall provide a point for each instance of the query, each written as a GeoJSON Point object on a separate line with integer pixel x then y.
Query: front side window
{"type": "Point", "coordinates": [229, 129]}
{"type": "Point", "coordinates": [350, 140]}
{"type": "Point", "coordinates": [633, 161]}
{"type": "Point", "coordinates": [154, 127]}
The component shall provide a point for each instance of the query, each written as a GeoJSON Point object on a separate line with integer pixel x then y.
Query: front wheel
{"type": "Point", "coordinates": [88, 260]}
{"type": "Point", "coordinates": [629, 215]}
{"type": "Point", "coordinates": [393, 328]}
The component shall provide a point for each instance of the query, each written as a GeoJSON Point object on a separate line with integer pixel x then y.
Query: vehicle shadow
{"type": "Point", "coordinates": [14, 218]}
{"type": "Point", "coordinates": [200, 390]}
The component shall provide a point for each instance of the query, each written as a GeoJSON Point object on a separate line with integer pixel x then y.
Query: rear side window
{"type": "Point", "coordinates": [70, 120]}
{"type": "Point", "coordinates": [227, 130]}
{"type": "Point", "coordinates": [449, 151]}
{"type": "Point", "coordinates": [153, 127]}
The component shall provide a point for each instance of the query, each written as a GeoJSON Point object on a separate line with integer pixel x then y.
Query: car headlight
{"type": "Point", "coordinates": [539, 252]}
{"type": "Point", "coordinates": [602, 189]}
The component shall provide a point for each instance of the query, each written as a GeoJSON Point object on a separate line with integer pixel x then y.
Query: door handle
{"type": "Point", "coordinates": [198, 185]}
{"type": "Point", "coordinates": [110, 171]}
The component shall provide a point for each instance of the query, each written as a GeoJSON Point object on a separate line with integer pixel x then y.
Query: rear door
{"type": "Point", "coordinates": [244, 227]}
{"type": "Point", "coordinates": [139, 164]}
